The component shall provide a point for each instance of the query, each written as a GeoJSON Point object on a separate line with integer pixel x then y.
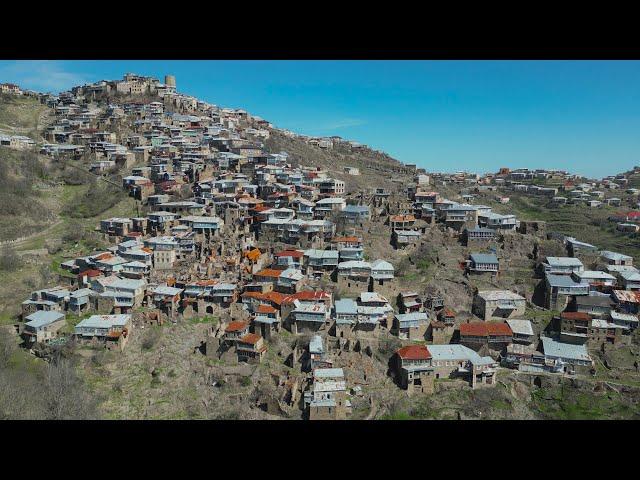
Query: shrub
{"type": "Point", "coordinates": [151, 338]}
{"type": "Point", "coordinates": [9, 259]}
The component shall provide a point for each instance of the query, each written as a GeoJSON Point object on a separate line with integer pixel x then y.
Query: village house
{"type": "Point", "coordinates": [572, 357]}
{"type": "Point", "coordinates": [479, 236]}
{"type": "Point", "coordinates": [356, 213]}
{"type": "Point", "coordinates": [266, 321]}
{"type": "Point", "coordinates": [416, 374]}
{"type": "Point", "coordinates": [458, 361]}
{"type": "Point", "coordinates": [345, 312]}
{"type": "Point", "coordinates": [595, 305]}
{"type": "Point", "coordinates": [234, 331]}
{"type": "Point", "coordinates": [596, 279]}
{"type": "Point", "coordinates": [309, 316]}
{"type": "Point", "coordinates": [494, 335]}
{"type": "Point", "coordinates": [405, 238]}
{"type": "Point", "coordinates": [581, 328]}
{"type": "Point", "coordinates": [562, 265]}
{"type": "Point", "coordinates": [630, 280]}
{"type": "Point", "coordinates": [250, 348]}
{"type": "Point", "coordinates": [559, 289]}
{"type": "Point", "coordinates": [320, 261]}
{"type": "Point", "coordinates": [522, 330]}
{"type": "Point", "coordinates": [410, 302]}
{"type": "Point", "coordinates": [42, 326]}
{"type": "Point", "coordinates": [112, 331]}
{"type": "Point", "coordinates": [327, 399]}
{"type": "Point", "coordinates": [627, 301]}
{"type": "Point", "coordinates": [483, 263]}
{"type": "Point", "coordinates": [318, 357]}
{"type": "Point", "coordinates": [614, 258]}
{"type": "Point", "coordinates": [498, 304]}
{"type": "Point", "coordinates": [626, 320]}
{"type": "Point", "coordinates": [411, 326]}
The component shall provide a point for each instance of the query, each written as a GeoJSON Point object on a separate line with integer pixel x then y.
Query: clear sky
{"type": "Point", "coordinates": [583, 116]}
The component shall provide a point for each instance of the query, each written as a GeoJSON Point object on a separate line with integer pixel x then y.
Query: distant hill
{"type": "Point", "coordinates": [376, 169]}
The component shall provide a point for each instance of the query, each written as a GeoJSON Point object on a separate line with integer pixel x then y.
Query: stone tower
{"type": "Point", "coordinates": [170, 80]}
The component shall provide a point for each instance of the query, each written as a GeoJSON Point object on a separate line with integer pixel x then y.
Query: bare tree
{"type": "Point", "coordinates": [65, 394]}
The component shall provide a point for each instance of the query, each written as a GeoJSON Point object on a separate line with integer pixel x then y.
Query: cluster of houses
{"type": "Point", "coordinates": [232, 231]}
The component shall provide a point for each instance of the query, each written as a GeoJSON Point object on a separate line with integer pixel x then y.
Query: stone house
{"type": "Point", "coordinates": [498, 304]}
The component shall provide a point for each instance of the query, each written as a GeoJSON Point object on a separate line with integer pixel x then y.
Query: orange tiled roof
{"type": "Point", "coordinates": [306, 295]}
{"type": "Point", "coordinates": [402, 218]}
{"type": "Point", "coordinates": [258, 295]}
{"type": "Point", "coordinates": [251, 338]}
{"type": "Point", "coordinates": [268, 272]}
{"type": "Point", "coordinates": [236, 326]}
{"type": "Point", "coordinates": [253, 255]}
{"type": "Point", "coordinates": [266, 309]}
{"type": "Point", "coordinates": [90, 273]}
{"type": "Point", "coordinates": [290, 253]}
{"type": "Point", "coordinates": [346, 239]}
{"type": "Point", "coordinates": [414, 352]}
{"type": "Point", "coordinates": [275, 297]}
{"type": "Point", "coordinates": [484, 329]}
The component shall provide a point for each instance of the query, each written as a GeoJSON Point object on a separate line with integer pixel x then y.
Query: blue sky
{"type": "Point", "coordinates": [583, 116]}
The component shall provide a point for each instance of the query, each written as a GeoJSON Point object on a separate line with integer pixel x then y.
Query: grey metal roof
{"type": "Point", "coordinates": [564, 262]}
{"type": "Point", "coordinates": [520, 326]}
{"type": "Point", "coordinates": [346, 306]}
{"type": "Point", "coordinates": [328, 372]}
{"type": "Point", "coordinates": [562, 350]}
{"type": "Point", "coordinates": [43, 317]}
{"type": "Point", "coordinates": [563, 281]}
{"type": "Point", "coordinates": [315, 344]}
{"type": "Point", "coordinates": [484, 258]}
{"type": "Point", "coordinates": [104, 321]}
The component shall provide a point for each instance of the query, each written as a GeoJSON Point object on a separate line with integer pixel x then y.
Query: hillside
{"type": "Point", "coordinates": [48, 210]}
{"type": "Point", "coordinates": [22, 115]}
{"type": "Point", "coordinates": [48, 213]}
{"type": "Point", "coordinates": [376, 170]}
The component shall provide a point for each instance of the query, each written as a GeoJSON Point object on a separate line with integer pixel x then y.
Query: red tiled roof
{"type": "Point", "coordinates": [253, 255]}
{"type": "Point", "coordinates": [484, 329]}
{"type": "Point", "coordinates": [90, 273]}
{"type": "Point", "coordinates": [258, 295]}
{"type": "Point", "coordinates": [266, 309]}
{"type": "Point", "coordinates": [495, 328]}
{"type": "Point", "coordinates": [236, 326]}
{"type": "Point", "coordinates": [306, 295]}
{"type": "Point", "coordinates": [402, 218]}
{"type": "Point", "coordinates": [414, 352]}
{"type": "Point", "coordinates": [251, 338]}
{"type": "Point", "coordinates": [268, 272]}
{"type": "Point", "coordinates": [346, 239]}
{"type": "Point", "coordinates": [275, 297]}
{"type": "Point", "coordinates": [290, 253]}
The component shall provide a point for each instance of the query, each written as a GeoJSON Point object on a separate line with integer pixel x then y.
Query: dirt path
{"type": "Point", "coordinates": [21, 241]}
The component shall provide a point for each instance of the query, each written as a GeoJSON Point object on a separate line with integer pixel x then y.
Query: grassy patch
{"type": "Point", "coordinates": [207, 319]}
{"type": "Point", "coordinates": [400, 415]}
